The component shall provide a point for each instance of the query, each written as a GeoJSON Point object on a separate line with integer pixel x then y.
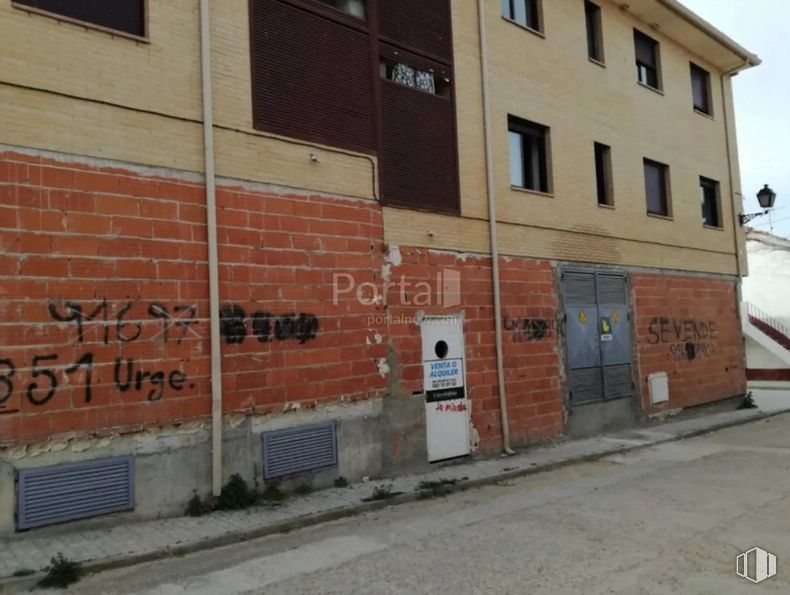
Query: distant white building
{"type": "Point", "coordinates": [766, 309]}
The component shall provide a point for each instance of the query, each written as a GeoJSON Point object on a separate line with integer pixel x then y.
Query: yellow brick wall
{"type": "Point", "coordinates": [72, 88]}
{"type": "Point", "coordinates": [141, 103]}
{"type": "Point", "coordinates": [549, 79]}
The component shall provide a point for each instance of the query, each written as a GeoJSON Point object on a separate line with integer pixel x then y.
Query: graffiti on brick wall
{"type": "Point", "coordinates": [523, 330]}
{"type": "Point", "coordinates": [48, 372]}
{"type": "Point", "coordinates": [104, 323]}
{"type": "Point", "coordinates": [236, 326]}
{"type": "Point", "coordinates": [688, 339]}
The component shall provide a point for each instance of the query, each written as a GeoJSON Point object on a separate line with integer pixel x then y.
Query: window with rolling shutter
{"type": "Point", "coordinates": [329, 90]}
{"type": "Point", "coordinates": [700, 89]}
{"type": "Point", "coordinates": [127, 16]}
{"type": "Point", "coordinates": [647, 60]}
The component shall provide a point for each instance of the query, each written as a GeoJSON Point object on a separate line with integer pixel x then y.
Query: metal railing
{"type": "Point", "coordinates": [755, 312]}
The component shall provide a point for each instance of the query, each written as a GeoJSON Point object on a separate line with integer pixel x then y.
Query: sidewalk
{"type": "Point", "coordinates": [137, 542]}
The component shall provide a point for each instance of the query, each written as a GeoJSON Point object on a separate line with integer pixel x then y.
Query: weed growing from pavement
{"type": "Point", "coordinates": [303, 489]}
{"type": "Point", "coordinates": [341, 482]}
{"type": "Point", "coordinates": [381, 493]}
{"type": "Point", "coordinates": [272, 494]}
{"type": "Point", "coordinates": [23, 572]}
{"type": "Point", "coordinates": [61, 573]}
{"type": "Point", "coordinates": [236, 495]}
{"type": "Point", "coordinates": [197, 506]}
{"type": "Point", "coordinates": [436, 489]}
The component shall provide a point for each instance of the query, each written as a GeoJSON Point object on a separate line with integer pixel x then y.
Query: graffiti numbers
{"type": "Point", "coordinates": [51, 380]}
{"type": "Point", "coordinates": [86, 361]}
{"type": "Point", "coordinates": [5, 380]}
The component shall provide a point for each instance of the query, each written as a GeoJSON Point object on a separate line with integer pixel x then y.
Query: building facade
{"type": "Point", "coordinates": [357, 152]}
{"type": "Point", "coordinates": [765, 313]}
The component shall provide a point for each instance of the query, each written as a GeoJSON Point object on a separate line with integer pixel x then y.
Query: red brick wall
{"type": "Point", "coordinates": [103, 284]}
{"type": "Point", "coordinates": [104, 310]}
{"type": "Point", "coordinates": [777, 374]}
{"type": "Point", "coordinates": [530, 340]}
{"type": "Point", "coordinates": [688, 327]}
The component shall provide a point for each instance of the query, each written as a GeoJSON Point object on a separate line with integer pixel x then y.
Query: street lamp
{"type": "Point", "coordinates": [766, 198]}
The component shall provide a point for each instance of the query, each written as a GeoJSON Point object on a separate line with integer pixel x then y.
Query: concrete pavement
{"type": "Point", "coordinates": [141, 541]}
{"type": "Point", "coordinates": [669, 518]}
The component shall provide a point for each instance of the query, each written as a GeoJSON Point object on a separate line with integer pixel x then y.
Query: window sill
{"type": "Point", "coordinates": [703, 114]}
{"type": "Point", "coordinates": [649, 88]}
{"type": "Point", "coordinates": [530, 191]}
{"type": "Point", "coordinates": [86, 24]}
{"type": "Point", "coordinates": [525, 27]}
{"type": "Point", "coordinates": [606, 206]}
{"type": "Point", "coordinates": [662, 217]}
{"type": "Point", "coordinates": [713, 227]}
{"type": "Point", "coordinates": [597, 62]}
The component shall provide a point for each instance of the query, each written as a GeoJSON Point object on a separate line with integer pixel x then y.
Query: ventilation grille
{"type": "Point", "coordinates": [298, 450]}
{"type": "Point", "coordinates": [51, 495]}
{"type": "Point", "coordinates": [579, 288]}
{"type": "Point", "coordinates": [619, 384]}
{"type": "Point", "coordinates": [586, 386]}
{"type": "Point", "coordinates": [612, 289]}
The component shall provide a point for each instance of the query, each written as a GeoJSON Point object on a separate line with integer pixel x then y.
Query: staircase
{"type": "Point", "coordinates": [771, 327]}
{"type": "Point", "coordinates": [770, 333]}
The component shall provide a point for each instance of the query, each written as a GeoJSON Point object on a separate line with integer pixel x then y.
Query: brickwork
{"type": "Point", "coordinates": [104, 311]}
{"type": "Point", "coordinates": [689, 328]}
{"type": "Point", "coordinates": [104, 300]}
{"type": "Point", "coordinates": [529, 338]}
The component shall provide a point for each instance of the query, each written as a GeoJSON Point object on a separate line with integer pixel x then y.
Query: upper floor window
{"type": "Point", "coordinates": [603, 174]}
{"type": "Point", "coordinates": [700, 89]}
{"type": "Point", "coordinates": [528, 146]}
{"type": "Point", "coordinates": [126, 16]}
{"type": "Point", "coordinates": [524, 12]}
{"type": "Point", "coordinates": [709, 197]}
{"type": "Point", "coordinates": [422, 80]}
{"type": "Point", "coordinates": [592, 13]}
{"type": "Point", "coordinates": [356, 8]}
{"type": "Point", "coordinates": [656, 188]}
{"type": "Point", "coordinates": [647, 60]}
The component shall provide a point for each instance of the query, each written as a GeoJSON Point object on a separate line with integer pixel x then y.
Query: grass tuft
{"type": "Point", "coordinates": [61, 573]}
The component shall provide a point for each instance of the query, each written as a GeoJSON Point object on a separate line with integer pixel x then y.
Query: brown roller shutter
{"type": "Point", "coordinates": [419, 25]}
{"type": "Point", "coordinates": [311, 76]}
{"type": "Point", "coordinates": [419, 164]}
{"type": "Point", "coordinates": [123, 15]}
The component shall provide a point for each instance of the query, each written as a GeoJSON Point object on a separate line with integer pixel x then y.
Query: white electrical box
{"type": "Point", "coordinates": [658, 385]}
{"type": "Point", "coordinates": [444, 382]}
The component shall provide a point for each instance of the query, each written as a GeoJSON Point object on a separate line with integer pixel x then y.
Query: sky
{"type": "Point", "coordinates": [762, 98]}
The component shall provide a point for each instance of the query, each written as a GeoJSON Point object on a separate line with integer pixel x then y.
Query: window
{"type": "Point", "coordinates": [528, 144]}
{"type": "Point", "coordinates": [415, 78]}
{"type": "Point", "coordinates": [524, 12]}
{"type": "Point", "coordinates": [126, 16]}
{"type": "Point", "coordinates": [592, 13]}
{"type": "Point", "coordinates": [700, 89]}
{"type": "Point", "coordinates": [709, 196]}
{"type": "Point", "coordinates": [656, 175]}
{"type": "Point", "coordinates": [647, 60]}
{"type": "Point", "coordinates": [356, 8]}
{"type": "Point", "coordinates": [603, 174]}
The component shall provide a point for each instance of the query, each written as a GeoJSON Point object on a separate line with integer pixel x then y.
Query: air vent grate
{"type": "Point", "coordinates": [61, 493]}
{"type": "Point", "coordinates": [298, 450]}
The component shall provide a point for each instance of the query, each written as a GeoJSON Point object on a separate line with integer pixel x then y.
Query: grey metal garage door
{"type": "Point", "coordinates": [598, 336]}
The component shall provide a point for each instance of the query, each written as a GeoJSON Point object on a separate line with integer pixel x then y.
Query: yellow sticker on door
{"type": "Point", "coordinates": [582, 316]}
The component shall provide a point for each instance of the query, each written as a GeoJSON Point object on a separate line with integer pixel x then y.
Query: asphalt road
{"type": "Point", "coordinates": [668, 519]}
